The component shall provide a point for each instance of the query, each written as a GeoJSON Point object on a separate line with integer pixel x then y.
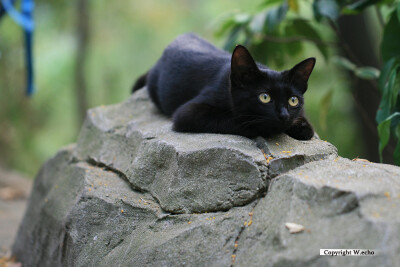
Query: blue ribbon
{"type": "Point", "coordinates": [2, 10]}
{"type": "Point", "coordinates": [25, 20]}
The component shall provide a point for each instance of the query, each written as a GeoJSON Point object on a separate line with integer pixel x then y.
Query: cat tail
{"type": "Point", "coordinates": [140, 82]}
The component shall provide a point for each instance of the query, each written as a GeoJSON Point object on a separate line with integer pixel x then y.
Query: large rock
{"type": "Point", "coordinates": [186, 172]}
{"type": "Point", "coordinates": [133, 193]}
{"type": "Point", "coordinates": [341, 203]}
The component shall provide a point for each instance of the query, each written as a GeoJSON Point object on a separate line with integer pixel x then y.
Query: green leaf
{"type": "Point", "coordinates": [358, 6]}
{"type": "Point", "coordinates": [384, 132]}
{"type": "Point", "coordinates": [261, 51]}
{"type": "Point", "coordinates": [268, 52]}
{"type": "Point", "coordinates": [291, 48]}
{"type": "Point", "coordinates": [345, 63]}
{"type": "Point", "coordinates": [398, 11]}
{"type": "Point", "coordinates": [384, 135]}
{"type": "Point", "coordinates": [386, 104]}
{"type": "Point", "coordinates": [304, 28]}
{"type": "Point", "coordinates": [346, 11]}
{"type": "Point", "coordinates": [386, 70]}
{"type": "Point", "coordinates": [383, 111]}
{"type": "Point", "coordinates": [257, 23]}
{"type": "Point", "coordinates": [368, 73]}
{"type": "Point", "coordinates": [231, 42]}
{"type": "Point", "coordinates": [326, 8]}
{"type": "Point", "coordinates": [395, 91]}
{"type": "Point", "coordinates": [325, 103]}
{"type": "Point", "coordinates": [241, 18]}
{"type": "Point", "coordinates": [396, 154]}
{"type": "Point", "coordinates": [275, 16]}
{"type": "Point", "coordinates": [225, 27]}
{"type": "Point", "coordinates": [391, 89]}
{"type": "Point", "coordinates": [229, 20]}
{"type": "Point", "coordinates": [268, 3]}
{"type": "Point", "coordinates": [390, 47]}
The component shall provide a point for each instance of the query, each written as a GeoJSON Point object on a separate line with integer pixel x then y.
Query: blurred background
{"type": "Point", "coordinates": [89, 53]}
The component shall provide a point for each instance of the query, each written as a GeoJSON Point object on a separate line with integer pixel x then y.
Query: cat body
{"type": "Point", "coordinates": [207, 90]}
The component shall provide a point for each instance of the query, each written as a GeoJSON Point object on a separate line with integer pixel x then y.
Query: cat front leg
{"type": "Point", "coordinates": [301, 129]}
{"type": "Point", "coordinates": [202, 118]}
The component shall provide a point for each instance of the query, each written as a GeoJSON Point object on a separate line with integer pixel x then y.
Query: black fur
{"type": "Point", "coordinates": [140, 82]}
{"type": "Point", "coordinates": [206, 90]}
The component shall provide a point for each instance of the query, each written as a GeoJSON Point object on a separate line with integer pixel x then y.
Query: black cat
{"type": "Point", "coordinates": [206, 90]}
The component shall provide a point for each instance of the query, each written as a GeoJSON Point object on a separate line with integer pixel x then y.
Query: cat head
{"type": "Point", "coordinates": [264, 97]}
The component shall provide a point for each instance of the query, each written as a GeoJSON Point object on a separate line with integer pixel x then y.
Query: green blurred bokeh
{"type": "Point", "coordinates": [126, 39]}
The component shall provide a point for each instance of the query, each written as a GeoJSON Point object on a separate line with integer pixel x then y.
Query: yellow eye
{"type": "Point", "coordinates": [264, 98]}
{"type": "Point", "coordinates": [293, 101]}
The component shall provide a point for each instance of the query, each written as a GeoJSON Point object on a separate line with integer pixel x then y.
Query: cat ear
{"type": "Point", "coordinates": [243, 67]}
{"type": "Point", "coordinates": [302, 71]}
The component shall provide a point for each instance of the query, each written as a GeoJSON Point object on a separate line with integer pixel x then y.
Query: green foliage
{"type": "Point", "coordinates": [325, 8]}
{"type": "Point", "coordinates": [280, 29]}
{"type": "Point", "coordinates": [389, 83]}
{"type": "Point", "coordinates": [270, 33]}
{"type": "Point", "coordinates": [306, 29]}
{"type": "Point", "coordinates": [358, 6]}
{"type": "Point", "coordinates": [391, 41]}
{"type": "Point", "coordinates": [126, 39]}
{"type": "Point", "coordinates": [368, 73]}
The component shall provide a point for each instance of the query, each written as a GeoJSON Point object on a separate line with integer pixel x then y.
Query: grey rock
{"type": "Point", "coordinates": [85, 215]}
{"type": "Point", "coordinates": [187, 172]}
{"type": "Point", "coordinates": [341, 203]}
{"type": "Point", "coordinates": [287, 153]}
{"type": "Point", "coordinates": [133, 193]}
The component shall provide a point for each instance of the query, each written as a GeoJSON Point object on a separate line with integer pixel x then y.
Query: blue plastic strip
{"type": "Point", "coordinates": [30, 89]}
{"type": "Point", "coordinates": [2, 10]}
{"type": "Point", "coordinates": [25, 20]}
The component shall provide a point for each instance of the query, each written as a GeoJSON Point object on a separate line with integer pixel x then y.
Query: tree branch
{"type": "Point", "coordinates": [82, 29]}
{"type": "Point", "coordinates": [347, 50]}
{"type": "Point", "coordinates": [293, 39]}
{"type": "Point", "coordinates": [380, 17]}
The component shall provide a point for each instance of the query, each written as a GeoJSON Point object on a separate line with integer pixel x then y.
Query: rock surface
{"type": "Point", "coordinates": [133, 193]}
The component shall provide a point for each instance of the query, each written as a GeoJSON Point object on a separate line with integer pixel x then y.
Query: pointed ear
{"type": "Point", "coordinates": [302, 71]}
{"type": "Point", "coordinates": [243, 67]}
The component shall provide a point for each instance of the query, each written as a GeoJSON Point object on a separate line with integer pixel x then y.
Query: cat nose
{"type": "Point", "coordinates": [283, 114]}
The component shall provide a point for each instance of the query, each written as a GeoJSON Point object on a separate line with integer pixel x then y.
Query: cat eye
{"type": "Point", "coordinates": [293, 101]}
{"type": "Point", "coordinates": [264, 98]}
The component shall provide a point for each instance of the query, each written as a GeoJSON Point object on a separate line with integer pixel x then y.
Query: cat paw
{"type": "Point", "coordinates": [301, 129]}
